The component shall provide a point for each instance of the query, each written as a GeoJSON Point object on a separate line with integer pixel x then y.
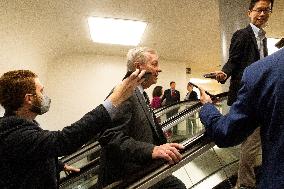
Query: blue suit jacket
{"type": "Point", "coordinates": [260, 101]}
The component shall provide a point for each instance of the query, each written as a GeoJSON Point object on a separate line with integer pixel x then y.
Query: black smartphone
{"type": "Point", "coordinates": [193, 84]}
{"type": "Point", "coordinates": [211, 95]}
{"type": "Point", "coordinates": [210, 75]}
{"type": "Point", "coordinates": [147, 75]}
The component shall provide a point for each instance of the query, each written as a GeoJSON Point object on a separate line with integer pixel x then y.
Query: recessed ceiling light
{"type": "Point", "coordinates": [116, 31]}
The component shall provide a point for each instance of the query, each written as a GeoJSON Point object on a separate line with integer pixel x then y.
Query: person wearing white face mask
{"type": "Point", "coordinates": [41, 105]}
{"type": "Point", "coordinates": [29, 154]}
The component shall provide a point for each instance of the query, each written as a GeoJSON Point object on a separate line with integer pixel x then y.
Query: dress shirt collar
{"type": "Point", "coordinates": [256, 31]}
{"type": "Point", "coordinates": [140, 89]}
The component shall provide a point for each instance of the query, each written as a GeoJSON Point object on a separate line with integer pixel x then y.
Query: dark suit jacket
{"type": "Point", "coordinates": [243, 52]}
{"type": "Point", "coordinates": [169, 98]}
{"type": "Point", "coordinates": [127, 148]}
{"type": "Point", "coordinates": [260, 102]}
{"type": "Point", "coordinates": [191, 96]}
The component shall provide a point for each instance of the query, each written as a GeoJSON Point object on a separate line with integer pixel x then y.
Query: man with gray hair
{"type": "Point", "coordinates": [136, 139]}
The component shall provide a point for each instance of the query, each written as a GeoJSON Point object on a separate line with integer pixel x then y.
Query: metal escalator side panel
{"type": "Point", "coordinates": [165, 109]}
{"type": "Point", "coordinates": [148, 182]}
{"type": "Point", "coordinates": [179, 117]}
{"type": "Point", "coordinates": [81, 152]}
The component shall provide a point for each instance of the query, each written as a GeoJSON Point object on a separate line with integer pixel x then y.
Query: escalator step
{"type": "Point", "coordinates": [226, 185]}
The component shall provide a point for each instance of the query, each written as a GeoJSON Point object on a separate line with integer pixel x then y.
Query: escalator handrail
{"type": "Point", "coordinates": [94, 165]}
{"type": "Point", "coordinates": [181, 115]}
{"type": "Point", "coordinates": [83, 152]}
{"type": "Point", "coordinates": [164, 109]}
{"type": "Point", "coordinates": [160, 169]}
{"type": "Point", "coordinates": [69, 159]}
{"type": "Point", "coordinates": [91, 167]}
{"type": "Point", "coordinates": [174, 120]}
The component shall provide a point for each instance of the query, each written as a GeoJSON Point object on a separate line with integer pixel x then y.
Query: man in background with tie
{"type": "Point", "coordinates": [247, 46]}
{"type": "Point", "coordinates": [135, 139]}
{"type": "Point", "coordinates": [171, 96]}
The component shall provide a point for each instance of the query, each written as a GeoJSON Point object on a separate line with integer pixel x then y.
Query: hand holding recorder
{"type": "Point", "coordinates": [220, 76]}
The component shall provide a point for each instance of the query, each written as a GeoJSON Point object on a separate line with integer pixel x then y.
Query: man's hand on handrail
{"type": "Point", "coordinates": [169, 152]}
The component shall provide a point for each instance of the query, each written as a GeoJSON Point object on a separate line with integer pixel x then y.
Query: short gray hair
{"type": "Point", "coordinates": [137, 54]}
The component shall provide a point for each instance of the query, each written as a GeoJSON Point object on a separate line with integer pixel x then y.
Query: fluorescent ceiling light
{"type": "Point", "coordinates": [271, 45]}
{"type": "Point", "coordinates": [116, 31]}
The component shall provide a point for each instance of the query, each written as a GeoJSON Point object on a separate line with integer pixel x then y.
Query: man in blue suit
{"type": "Point", "coordinates": [260, 101]}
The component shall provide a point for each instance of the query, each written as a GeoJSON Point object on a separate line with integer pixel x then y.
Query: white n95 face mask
{"type": "Point", "coordinates": [42, 105]}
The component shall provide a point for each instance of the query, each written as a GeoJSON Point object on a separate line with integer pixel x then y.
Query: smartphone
{"type": "Point", "coordinates": [210, 75]}
{"type": "Point", "coordinates": [193, 84]}
{"type": "Point", "coordinates": [211, 95]}
{"type": "Point", "coordinates": [147, 75]}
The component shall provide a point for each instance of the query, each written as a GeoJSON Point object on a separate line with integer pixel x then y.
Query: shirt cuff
{"type": "Point", "coordinates": [111, 109]}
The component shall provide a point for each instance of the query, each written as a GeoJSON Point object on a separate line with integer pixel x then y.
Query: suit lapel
{"type": "Point", "coordinates": [144, 106]}
{"type": "Point", "coordinates": [249, 29]}
{"type": "Point", "coordinates": [157, 131]}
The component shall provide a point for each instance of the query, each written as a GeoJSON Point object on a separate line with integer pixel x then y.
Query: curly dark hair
{"type": "Point", "coordinates": [253, 2]}
{"type": "Point", "coordinates": [157, 91]}
{"type": "Point", "coordinates": [14, 85]}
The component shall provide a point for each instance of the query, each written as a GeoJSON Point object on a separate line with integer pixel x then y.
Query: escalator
{"type": "Point", "coordinates": [196, 145]}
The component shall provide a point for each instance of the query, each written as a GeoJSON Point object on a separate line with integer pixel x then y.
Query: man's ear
{"type": "Point", "coordinates": [248, 13]}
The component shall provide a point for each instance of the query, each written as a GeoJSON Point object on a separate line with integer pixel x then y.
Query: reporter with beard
{"type": "Point", "coordinates": [29, 154]}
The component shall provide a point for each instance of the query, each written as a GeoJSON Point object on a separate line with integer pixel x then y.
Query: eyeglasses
{"type": "Point", "coordinates": [259, 11]}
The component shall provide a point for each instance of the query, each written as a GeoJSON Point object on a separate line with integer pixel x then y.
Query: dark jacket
{"type": "Point", "coordinates": [127, 147]}
{"type": "Point", "coordinates": [169, 98]}
{"type": "Point", "coordinates": [192, 96]}
{"type": "Point", "coordinates": [242, 53]}
{"type": "Point", "coordinates": [260, 102]}
{"type": "Point", "coordinates": [28, 154]}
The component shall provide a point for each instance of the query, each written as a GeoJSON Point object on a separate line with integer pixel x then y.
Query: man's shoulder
{"type": "Point", "coordinates": [244, 31]}
{"type": "Point", "coordinates": [11, 122]}
{"type": "Point", "coordinates": [270, 64]}
{"type": "Point", "coordinates": [243, 36]}
{"type": "Point", "coordinates": [167, 91]}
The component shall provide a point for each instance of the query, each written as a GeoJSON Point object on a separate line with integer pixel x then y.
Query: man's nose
{"type": "Point", "coordinates": [262, 13]}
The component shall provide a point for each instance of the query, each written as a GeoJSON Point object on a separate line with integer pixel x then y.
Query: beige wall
{"type": "Point", "coordinates": [78, 83]}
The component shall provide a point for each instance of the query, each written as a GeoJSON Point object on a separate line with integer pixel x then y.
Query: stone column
{"type": "Point", "coordinates": [233, 16]}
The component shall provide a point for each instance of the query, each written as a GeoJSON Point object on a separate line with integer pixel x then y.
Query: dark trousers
{"type": "Point", "coordinates": [171, 182]}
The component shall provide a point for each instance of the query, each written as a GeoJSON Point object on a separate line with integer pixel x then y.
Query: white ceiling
{"type": "Point", "coordinates": [179, 29]}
